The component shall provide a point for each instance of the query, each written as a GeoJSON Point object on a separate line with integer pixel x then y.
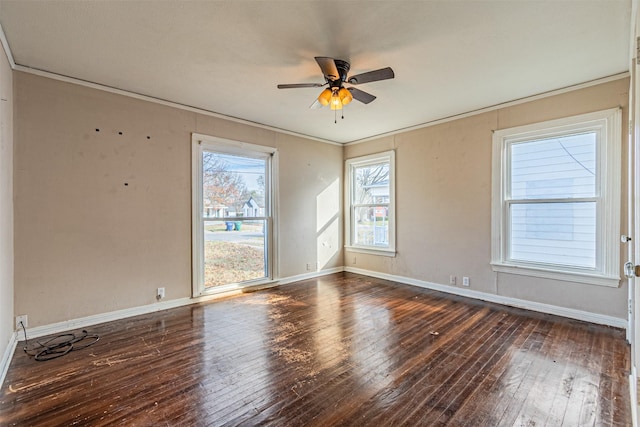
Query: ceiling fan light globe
{"type": "Point", "coordinates": [325, 97]}
{"type": "Point", "coordinates": [345, 96]}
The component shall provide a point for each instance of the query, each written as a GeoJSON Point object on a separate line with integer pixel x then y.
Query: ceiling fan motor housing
{"type": "Point", "coordinates": [343, 69]}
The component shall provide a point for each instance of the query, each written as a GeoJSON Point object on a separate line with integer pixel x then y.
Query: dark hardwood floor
{"type": "Point", "coordinates": [339, 350]}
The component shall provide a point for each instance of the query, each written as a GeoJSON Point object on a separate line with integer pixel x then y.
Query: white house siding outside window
{"type": "Point", "coordinates": [556, 199]}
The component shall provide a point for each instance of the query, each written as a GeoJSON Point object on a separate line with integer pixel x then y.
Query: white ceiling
{"type": "Point", "coordinates": [227, 57]}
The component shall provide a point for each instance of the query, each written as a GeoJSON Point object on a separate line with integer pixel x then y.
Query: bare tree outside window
{"type": "Point", "coordinates": [222, 188]}
{"type": "Point", "coordinates": [370, 177]}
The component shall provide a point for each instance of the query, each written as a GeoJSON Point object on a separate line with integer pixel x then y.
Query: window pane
{"type": "Point", "coordinates": [554, 168]}
{"type": "Point", "coordinates": [232, 185]}
{"type": "Point", "coordinates": [234, 252]}
{"type": "Point", "coordinates": [554, 233]}
{"type": "Point", "coordinates": [233, 188]}
{"type": "Point", "coordinates": [371, 226]}
{"type": "Point", "coordinates": [371, 184]}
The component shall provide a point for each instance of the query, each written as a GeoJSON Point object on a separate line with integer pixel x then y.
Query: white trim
{"type": "Point", "coordinates": [7, 50]}
{"type": "Point", "coordinates": [82, 322]}
{"type": "Point", "coordinates": [370, 251]}
{"type": "Point", "coordinates": [607, 124]}
{"type": "Point", "coordinates": [274, 249]}
{"type": "Point", "coordinates": [633, 393]}
{"type": "Point", "coordinates": [196, 211]}
{"type": "Point", "coordinates": [507, 104]}
{"type": "Point", "coordinates": [632, 30]}
{"type": "Point", "coordinates": [231, 146]}
{"type": "Point", "coordinates": [7, 356]}
{"type": "Point", "coordinates": [564, 276]}
{"type": "Point", "coordinates": [307, 276]}
{"type": "Point", "coordinates": [571, 313]}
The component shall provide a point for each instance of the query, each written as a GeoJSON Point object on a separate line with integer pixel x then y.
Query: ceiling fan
{"type": "Point", "coordinates": [335, 76]}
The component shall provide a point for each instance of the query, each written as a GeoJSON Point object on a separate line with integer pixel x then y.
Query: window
{"type": "Point", "coordinates": [370, 197]}
{"type": "Point", "coordinates": [556, 199]}
{"type": "Point", "coordinates": [232, 214]}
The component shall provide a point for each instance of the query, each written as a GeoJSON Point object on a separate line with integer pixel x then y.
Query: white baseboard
{"type": "Point", "coordinates": [164, 305]}
{"type": "Point", "coordinates": [7, 356]}
{"type": "Point", "coordinates": [83, 322]}
{"type": "Point", "coordinates": [571, 313]}
{"type": "Point", "coordinates": [305, 276]}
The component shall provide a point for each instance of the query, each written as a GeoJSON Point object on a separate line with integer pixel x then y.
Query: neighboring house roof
{"type": "Point", "coordinates": [253, 203]}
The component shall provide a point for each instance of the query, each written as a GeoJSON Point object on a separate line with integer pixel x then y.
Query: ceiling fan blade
{"type": "Point", "coordinates": [316, 105]}
{"type": "Point", "coordinates": [298, 85]}
{"type": "Point", "coordinates": [328, 67]}
{"type": "Point", "coordinates": [372, 76]}
{"type": "Point", "coordinates": [361, 96]}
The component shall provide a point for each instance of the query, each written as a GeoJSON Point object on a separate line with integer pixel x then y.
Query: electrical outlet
{"type": "Point", "coordinates": [23, 319]}
{"type": "Point", "coordinates": [452, 280]}
{"type": "Point", "coordinates": [465, 281]}
{"type": "Point", "coordinates": [354, 260]}
{"type": "Point", "coordinates": [160, 293]}
{"type": "Point", "coordinates": [309, 266]}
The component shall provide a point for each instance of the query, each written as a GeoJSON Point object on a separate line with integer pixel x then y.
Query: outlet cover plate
{"type": "Point", "coordinates": [22, 318]}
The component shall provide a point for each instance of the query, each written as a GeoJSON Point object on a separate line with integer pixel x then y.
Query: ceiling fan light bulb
{"type": "Point", "coordinates": [336, 103]}
{"type": "Point", "coordinates": [325, 97]}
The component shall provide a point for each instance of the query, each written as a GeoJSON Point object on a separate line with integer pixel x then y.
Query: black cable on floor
{"type": "Point", "coordinates": [59, 345]}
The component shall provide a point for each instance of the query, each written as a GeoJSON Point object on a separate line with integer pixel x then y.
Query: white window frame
{"type": "Point", "coordinates": [350, 165]}
{"type": "Point", "coordinates": [607, 125]}
{"type": "Point", "coordinates": [199, 144]}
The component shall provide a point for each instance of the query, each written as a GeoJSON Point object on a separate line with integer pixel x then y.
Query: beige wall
{"type": "Point", "coordinates": [6, 202]}
{"type": "Point", "coordinates": [443, 188]}
{"type": "Point", "coordinates": [87, 244]}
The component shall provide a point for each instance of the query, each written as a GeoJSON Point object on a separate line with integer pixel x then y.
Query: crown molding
{"type": "Point", "coordinates": [7, 50]}
{"type": "Point", "coordinates": [184, 107]}
{"type": "Point", "coordinates": [518, 101]}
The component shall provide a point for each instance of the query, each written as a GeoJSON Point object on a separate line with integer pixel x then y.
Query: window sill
{"type": "Point", "coordinates": [566, 276]}
{"type": "Point", "coordinates": [371, 251]}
